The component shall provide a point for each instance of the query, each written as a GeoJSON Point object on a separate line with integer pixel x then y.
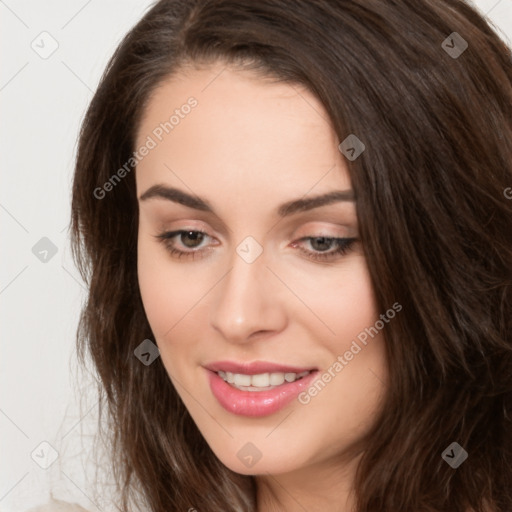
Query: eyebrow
{"type": "Point", "coordinates": [289, 208]}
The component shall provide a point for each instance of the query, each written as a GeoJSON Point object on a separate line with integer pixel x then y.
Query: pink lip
{"type": "Point", "coordinates": [254, 368]}
{"type": "Point", "coordinates": [256, 403]}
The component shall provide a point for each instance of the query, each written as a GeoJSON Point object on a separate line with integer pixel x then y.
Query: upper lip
{"type": "Point", "coordinates": [254, 367]}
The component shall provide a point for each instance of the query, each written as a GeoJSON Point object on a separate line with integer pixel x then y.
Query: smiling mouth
{"type": "Point", "coordinates": [263, 398]}
{"type": "Point", "coordinates": [261, 381]}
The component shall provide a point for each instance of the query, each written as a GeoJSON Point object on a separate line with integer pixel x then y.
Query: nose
{"type": "Point", "coordinates": [247, 303]}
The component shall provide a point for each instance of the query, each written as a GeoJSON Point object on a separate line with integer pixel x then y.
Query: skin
{"type": "Point", "coordinates": [249, 146]}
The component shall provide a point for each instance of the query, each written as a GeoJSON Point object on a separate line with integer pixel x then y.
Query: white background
{"type": "Point", "coordinates": [43, 102]}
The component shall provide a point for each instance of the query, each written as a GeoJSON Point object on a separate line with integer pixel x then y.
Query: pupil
{"type": "Point", "coordinates": [194, 236]}
{"type": "Point", "coordinates": [324, 243]}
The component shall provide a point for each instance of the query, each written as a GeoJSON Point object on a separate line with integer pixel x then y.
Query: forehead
{"type": "Point", "coordinates": [243, 127]}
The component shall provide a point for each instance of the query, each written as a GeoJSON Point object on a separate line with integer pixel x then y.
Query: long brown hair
{"type": "Point", "coordinates": [434, 110]}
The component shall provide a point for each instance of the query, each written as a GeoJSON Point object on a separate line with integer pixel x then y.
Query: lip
{"type": "Point", "coordinates": [255, 367]}
{"type": "Point", "coordinates": [256, 403]}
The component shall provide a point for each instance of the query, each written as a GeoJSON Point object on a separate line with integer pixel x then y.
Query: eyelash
{"type": "Point", "coordinates": [344, 245]}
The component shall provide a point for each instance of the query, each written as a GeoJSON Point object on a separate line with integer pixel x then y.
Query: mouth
{"type": "Point", "coordinates": [260, 381]}
{"type": "Point", "coordinates": [257, 389]}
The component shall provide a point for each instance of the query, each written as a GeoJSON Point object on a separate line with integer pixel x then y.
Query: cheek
{"type": "Point", "coordinates": [166, 294]}
{"type": "Point", "coordinates": [342, 302]}
{"type": "Point", "coordinates": [356, 308]}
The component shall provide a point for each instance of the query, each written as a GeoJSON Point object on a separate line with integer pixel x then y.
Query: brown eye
{"type": "Point", "coordinates": [191, 238]}
{"type": "Point", "coordinates": [188, 239]}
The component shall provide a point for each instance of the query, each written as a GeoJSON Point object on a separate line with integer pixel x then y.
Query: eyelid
{"type": "Point", "coordinates": [320, 230]}
{"type": "Point", "coordinates": [310, 229]}
{"type": "Point", "coordinates": [344, 245]}
{"type": "Point", "coordinates": [166, 219]}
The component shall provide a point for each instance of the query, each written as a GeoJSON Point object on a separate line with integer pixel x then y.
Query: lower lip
{"type": "Point", "coordinates": [256, 403]}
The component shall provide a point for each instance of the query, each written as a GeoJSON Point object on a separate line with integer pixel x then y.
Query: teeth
{"type": "Point", "coordinates": [261, 380]}
{"type": "Point", "coordinates": [242, 380]}
{"type": "Point", "coordinates": [276, 379]}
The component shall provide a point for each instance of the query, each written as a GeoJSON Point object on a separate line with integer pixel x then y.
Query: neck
{"type": "Point", "coordinates": [325, 487]}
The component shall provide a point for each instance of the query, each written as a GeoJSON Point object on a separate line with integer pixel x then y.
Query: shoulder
{"type": "Point", "coordinates": [58, 506]}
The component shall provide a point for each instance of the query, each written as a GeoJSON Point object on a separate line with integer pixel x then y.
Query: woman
{"type": "Point", "coordinates": [293, 219]}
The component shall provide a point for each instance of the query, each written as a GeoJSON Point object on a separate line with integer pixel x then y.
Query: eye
{"type": "Point", "coordinates": [322, 244]}
{"type": "Point", "coordinates": [191, 241]}
{"type": "Point", "coordinates": [189, 238]}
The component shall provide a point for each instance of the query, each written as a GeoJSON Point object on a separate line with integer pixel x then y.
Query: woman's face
{"type": "Point", "coordinates": [249, 280]}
